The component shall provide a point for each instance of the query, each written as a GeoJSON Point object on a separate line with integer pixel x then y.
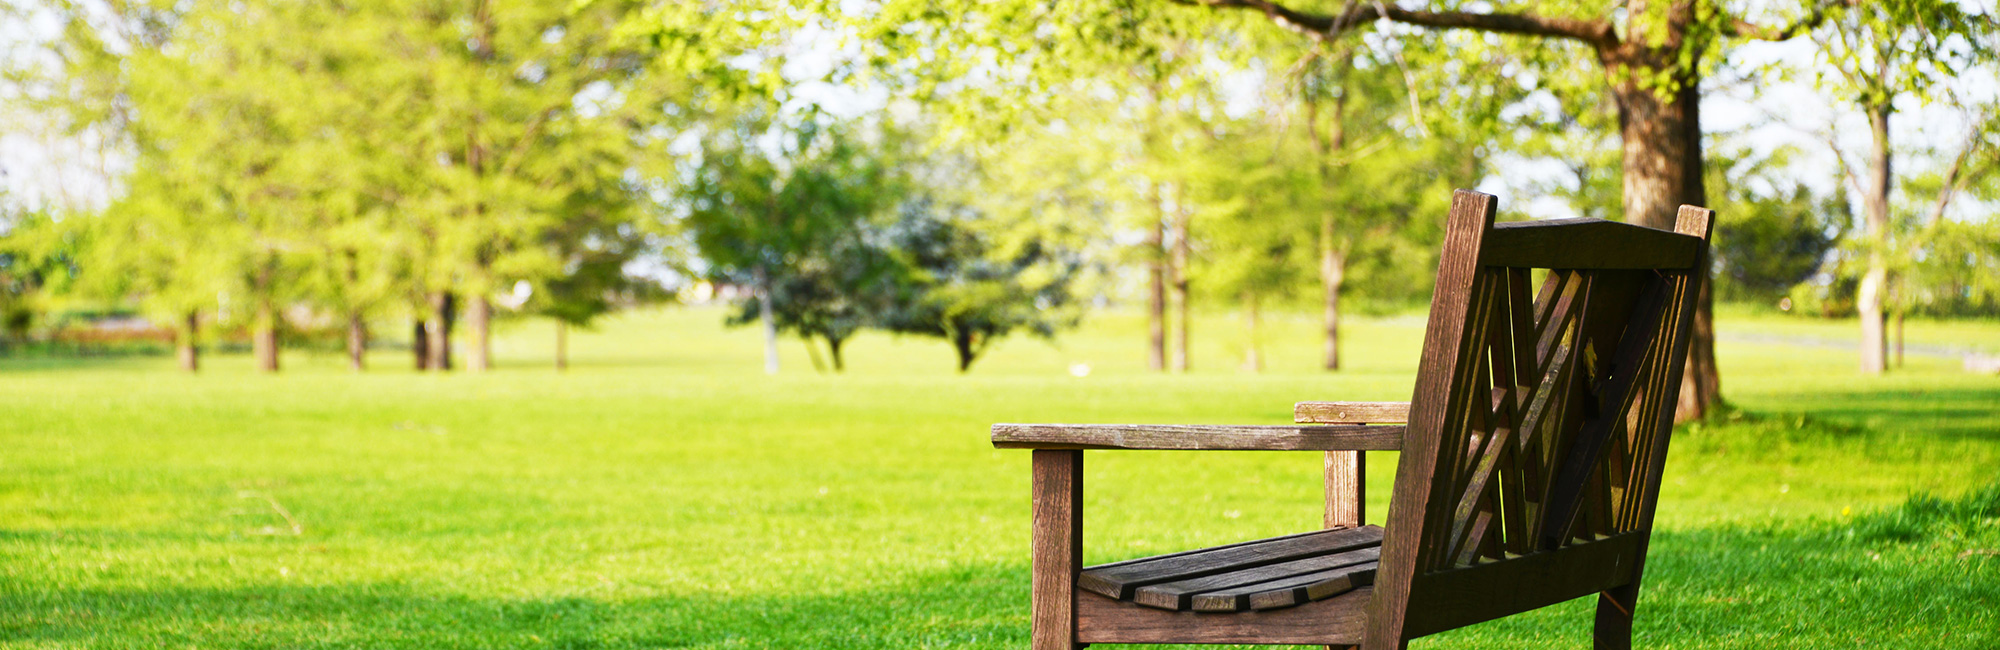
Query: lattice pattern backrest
{"type": "Point", "coordinates": [1542, 414]}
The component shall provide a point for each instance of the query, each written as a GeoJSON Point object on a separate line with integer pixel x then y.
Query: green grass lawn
{"type": "Point", "coordinates": [665, 493]}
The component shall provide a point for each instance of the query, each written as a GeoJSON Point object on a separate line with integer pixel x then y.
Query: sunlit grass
{"type": "Point", "coordinates": [665, 493]}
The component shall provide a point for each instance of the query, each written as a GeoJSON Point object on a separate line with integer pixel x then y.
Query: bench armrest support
{"type": "Point", "coordinates": [1351, 412]}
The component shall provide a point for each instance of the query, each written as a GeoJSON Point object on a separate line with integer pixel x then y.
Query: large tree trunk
{"type": "Point", "coordinates": [264, 337]}
{"type": "Point", "coordinates": [1332, 271]}
{"type": "Point", "coordinates": [833, 347]}
{"type": "Point", "coordinates": [480, 317]}
{"type": "Point", "coordinates": [420, 343]}
{"type": "Point", "coordinates": [1156, 289]}
{"type": "Point", "coordinates": [769, 323]}
{"type": "Point", "coordinates": [444, 313]}
{"type": "Point", "coordinates": [1875, 203]}
{"type": "Point", "coordinates": [562, 345]}
{"type": "Point", "coordinates": [357, 342]}
{"type": "Point", "coordinates": [1662, 165]}
{"type": "Point", "coordinates": [184, 345]}
{"type": "Point", "coordinates": [1181, 291]}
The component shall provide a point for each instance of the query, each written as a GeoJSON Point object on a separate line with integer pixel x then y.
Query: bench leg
{"type": "Point", "coordinates": [1058, 553]}
{"type": "Point", "coordinates": [1613, 630]}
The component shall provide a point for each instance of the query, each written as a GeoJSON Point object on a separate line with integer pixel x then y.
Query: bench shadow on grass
{"type": "Point", "coordinates": [1922, 575]}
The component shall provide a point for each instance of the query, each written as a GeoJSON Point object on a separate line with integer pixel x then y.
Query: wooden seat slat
{"type": "Point", "coordinates": [1180, 594]}
{"type": "Point", "coordinates": [1293, 591]}
{"type": "Point", "coordinates": [1123, 580]}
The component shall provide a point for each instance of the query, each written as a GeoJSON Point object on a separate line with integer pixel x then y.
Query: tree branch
{"type": "Point", "coordinates": [1594, 32]}
{"type": "Point", "coordinates": [1740, 28]}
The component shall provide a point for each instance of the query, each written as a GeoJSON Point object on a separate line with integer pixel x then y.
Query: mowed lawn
{"type": "Point", "coordinates": [665, 493]}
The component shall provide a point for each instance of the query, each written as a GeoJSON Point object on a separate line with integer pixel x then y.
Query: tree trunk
{"type": "Point", "coordinates": [1181, 291]}
{"type": "Point", "coordinates": [1332, 260]}
{"type": "Point", "coordinates": [1875, 203]}
{"type": "Point", "coordinates": [961, 340]}
{"type": "Point", "coordinates": [264, 337]}
{"type": "Point", "coordinates": [770, 324]}
{"type": "Point", "coordinates": [420, 343]}
{"type": "Point", "coordinates": [357, 342]}
{"type": "Point", "coordinates": [480, 317]}
{"type": "Point", "coordinates": [812, 354]}
{"type": "Point", "coordinates": [1662, 165]}
{"type": "Point", "coordinates": [1332, 271]}
{"type": "Point", "coordinates": [833, 347]}
{"type": "Point", "coordinates": [1899, 338]}
{"type": "Point", "coordinates": [1253, 356]}
{"type": "Point", "coordinates": [562, 345]}
{"type": "Point", "coordinates": [1156, 291]}
{"type": "Point", "coordinates": [184, 345]}
{"type": "Point", "coordinates": [444, 313]}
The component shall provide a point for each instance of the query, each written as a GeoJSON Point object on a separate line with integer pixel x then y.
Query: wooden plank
{"type": "Point", "coordinates": [1198, 436]}
{"type": "Point", "coordinates": [1346, 489]}
{"type": "Point", "coordinates": [1470, 220]}
{"type": "Point", "coordinates": [1351, 412]}
{"type": "Point", "coordinates": [1458, 597]}
{"type": "Point", "coordinates": [1123, 580]}
{"type": "Point", "coordinates": [1180, 594]}
{"type": "Point", "coordinates": [1335, 621]}
{"type": "Point", "coordinates": [1587, 243]}
{"type": "Point", "coordinates": [1058, 547]}
{"type": "Point", "coordinates": [1298, 591]}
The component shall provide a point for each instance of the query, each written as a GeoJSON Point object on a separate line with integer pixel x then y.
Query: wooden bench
{"type": "Point", "coordinates": [1530, 461]}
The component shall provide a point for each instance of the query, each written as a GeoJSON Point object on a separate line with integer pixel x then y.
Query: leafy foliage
{"type": "Point", "coordinates": [972, 289]}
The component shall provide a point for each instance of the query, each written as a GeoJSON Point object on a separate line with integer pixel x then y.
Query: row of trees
{"type": "Point", "coordinates": [448, 162]}
{"type": "Point", "coordinates": [406, 158]}
{"type": "Point", "coordinates": [1459, 65]}
{"type": "Point", "coordinates": [433, 160]}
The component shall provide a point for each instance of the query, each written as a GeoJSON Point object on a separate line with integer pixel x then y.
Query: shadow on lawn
{"type": "Point", "coordinates": [1924, 574]}
{"type": "Point", "coordinates": [1952, 413]}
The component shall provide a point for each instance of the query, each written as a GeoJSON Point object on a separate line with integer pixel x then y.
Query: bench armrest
{"type": "Point", "coordinates": [1351, 412]}
{"type": "Point", "coordinates": [1198, 436]}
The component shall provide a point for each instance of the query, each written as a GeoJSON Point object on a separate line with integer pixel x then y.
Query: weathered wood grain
{"type": "Point", "coordinates": [1335, 621]}
{"type": "Point", "coordinates": [1432, 404]}
{"type": "Point", "coordinates": [1346, 489]}
{"type": "Point", "coordinates": [1346, 471]}
{"type": "Point", "coordinates": [1123, 579]}
{"type": "Point", "coordinates": [1305, 589]}
{"type": "Point", "coordinates": [1287, 591]}
{"type": "Point", "coordinates": [1586, 243]}
{"type": "Point", "coordinates": [1180, 594]}
{"type": "Point", "coordinates": [1058, 547]}
{"type": "Point", "coordinates": [1351, 412]}
{"type": "Point", "coordinates": [1197, 436]}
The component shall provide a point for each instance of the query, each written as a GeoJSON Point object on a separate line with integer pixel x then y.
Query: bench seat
{"type": "Point", "coordinates": [1257, 575]}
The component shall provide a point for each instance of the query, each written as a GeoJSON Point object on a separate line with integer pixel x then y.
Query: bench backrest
{"type": "Point", "coordinates": [1541, 416]}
